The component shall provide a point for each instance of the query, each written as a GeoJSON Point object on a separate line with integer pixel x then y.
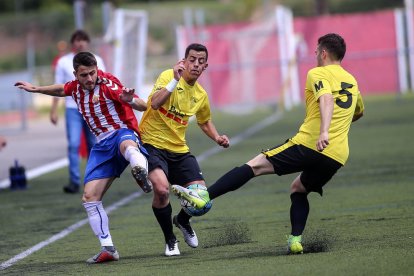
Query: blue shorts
{"type": "Point", "coordinates": [105, 159]}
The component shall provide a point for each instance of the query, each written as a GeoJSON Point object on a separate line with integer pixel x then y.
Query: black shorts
{"type": "Point", "coordinates": [317, 169]}
{"type": "Point", "coordinates": [180, 168]}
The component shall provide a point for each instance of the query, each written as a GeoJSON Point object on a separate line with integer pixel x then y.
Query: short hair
{"type": "Point", "coordinates": [79, 35]}
{"type": "Point", "coordinates": [196, 47]}
{"type": "Point", "coordinates": [85, 59]}
{"type": "Point", "coordinates": [334, 44]}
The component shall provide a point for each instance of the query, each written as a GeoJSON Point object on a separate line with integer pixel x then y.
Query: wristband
{"type": "Point", "coordinates": [131, 101]}
{"type": "Point", "coordinates": [171, 85]}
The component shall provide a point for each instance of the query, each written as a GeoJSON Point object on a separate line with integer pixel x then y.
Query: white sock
{"type": "Point", "coordinates": [98, 219]}
{"type": "Point", "coordinates": [135, 157]}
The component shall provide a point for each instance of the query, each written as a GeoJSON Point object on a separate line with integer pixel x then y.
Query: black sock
{"type": "Point", "coordinates": [183, 218]}
{"type": "Point", "coordinates": [299, 211]}
{"type": "Point", "coordinates": [231, 181]}
{"type": "Point", "coordinates": [163, 216]}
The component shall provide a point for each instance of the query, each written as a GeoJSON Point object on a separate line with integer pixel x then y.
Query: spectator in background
{"type": "Point", "coordinates": [74, 122]}
{"type": "Point", "coordinates": [61, 47]}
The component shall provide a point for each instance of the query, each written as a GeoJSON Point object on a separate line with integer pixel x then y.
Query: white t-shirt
{"type": "Point", "coordinates": [64, 73]}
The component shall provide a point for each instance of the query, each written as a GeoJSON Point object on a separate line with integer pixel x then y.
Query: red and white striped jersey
{"type": "Point", "coordinates": [102, 109]}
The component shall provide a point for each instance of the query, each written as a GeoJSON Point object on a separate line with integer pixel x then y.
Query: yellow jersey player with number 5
{"type": "Point", "coordinates": [320, 147]}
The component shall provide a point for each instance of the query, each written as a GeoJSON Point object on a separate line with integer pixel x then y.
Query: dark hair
{"type": "Point", "coordinates": [196, 47]}
{"type": "Point", "coordinates": [334, 44]}
{"type": "Point", "coordinates": [79, 35]}
{"type": "Point", "coordinates": [85, 59]}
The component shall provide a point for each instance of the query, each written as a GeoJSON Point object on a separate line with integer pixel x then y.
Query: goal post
{"type": "Point", "coordinates": [126, 58]}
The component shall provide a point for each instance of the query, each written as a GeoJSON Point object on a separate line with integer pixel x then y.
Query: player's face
{"type": "Point", "coordinates": [320, 55]}
{"type": "Point", "coordinates": [195, 64]}
{"type": "Point", "coordinates": [87, 76]}
{"type": "Point", "coordinates": [80, 45]}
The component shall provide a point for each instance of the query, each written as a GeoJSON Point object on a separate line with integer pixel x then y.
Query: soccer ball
{"type": "Point", "coordinates": [192, 211]}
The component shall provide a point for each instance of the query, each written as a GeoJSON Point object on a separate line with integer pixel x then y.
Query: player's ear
{"type": "Point", "coordinates": [74, 73]}
{"type": "Point", "coordinates": [205, 66]}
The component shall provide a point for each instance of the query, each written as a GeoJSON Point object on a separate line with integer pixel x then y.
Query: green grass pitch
{"type": "Point", "coordinates": [363, 225]}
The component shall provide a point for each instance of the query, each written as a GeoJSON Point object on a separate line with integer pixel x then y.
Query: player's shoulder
{"type": "Point", "coordinates": [106, 78]}
{"type": "Point", "coordinates": [65, 59]}
{"type": "Point", "coordinates": [318, 72]}
{"type": "Point", "coordinates": [71, 85]}
{"type": "Point", "coordinates": [169, 73]}
{"type": "Point", "coordinates": [200, 88]}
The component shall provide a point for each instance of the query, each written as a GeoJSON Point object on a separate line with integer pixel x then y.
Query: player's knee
{"type": "Point", "coordinates": [89, 196]}
{"type": "Point", "coordinates": [161, 195]}
{"type": "Point", "coordinates": [297, 186]}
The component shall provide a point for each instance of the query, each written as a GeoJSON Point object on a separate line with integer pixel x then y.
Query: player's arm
{"type": "Point", "coordinates": [59, 78]}
{"type": "Point", "coordinates": [136, 103]}
{"type": "Point", "coordinates": [326, 106]}
{"type": "Point", "coordinates": [56, 90]}
{"type": "Point", "coordinates": [163, 94]}
{"type": "Point", "coordinates": [53, 111]}
{"type": "Point", "coordinates": [210, 130]}
{"type": "Point", "coordinates": [359, 109]}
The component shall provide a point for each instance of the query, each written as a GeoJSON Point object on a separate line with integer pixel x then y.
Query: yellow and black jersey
{"type": "Point", "coordinates": [165, 128]}
{"type": "Point", "coordinates": [335, 80]}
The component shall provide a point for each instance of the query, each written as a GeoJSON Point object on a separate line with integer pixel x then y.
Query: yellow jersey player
{"type": "Point", "coordinates": [320, 147]}
{"type": "Point", "coordinates": [176, 97]}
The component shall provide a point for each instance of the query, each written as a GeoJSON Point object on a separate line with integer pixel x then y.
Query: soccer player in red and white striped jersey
{"type": "Point", "coordinates": [107, 107]}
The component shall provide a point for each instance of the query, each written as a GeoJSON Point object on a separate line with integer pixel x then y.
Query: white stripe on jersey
{"type": "Point", "coordinates": [91, 115]}
{"type": "Point", "coordinates": [112, 111]}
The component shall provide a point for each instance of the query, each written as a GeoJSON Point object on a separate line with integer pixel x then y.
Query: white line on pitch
{"type": "Point", "coordinates": [234, 141]}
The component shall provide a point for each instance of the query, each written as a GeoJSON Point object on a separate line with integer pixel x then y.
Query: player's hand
{"type": "Point", "coordinates": [223, 141]}
{"type": "Point", "coordinates": [178, 69]}
{"type": "Point", "coordinates": [54, 117]}
{"type": "Point", "coordinates": [322, 142]}
{"type": "Point", "coordinates": [127, 94]}
{"type": "Point", "coordinates": [26, 86]}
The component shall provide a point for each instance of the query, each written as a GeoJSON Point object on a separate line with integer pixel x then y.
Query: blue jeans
{"type": "Point", "coordinates": [75, 124]}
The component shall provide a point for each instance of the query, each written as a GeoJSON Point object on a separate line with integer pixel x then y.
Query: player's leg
{"type": "Point", "coordinates": [73, 134]}
{"type": "Point", "coordinates": [158, 171]}
{"type": "Point", "coordinates": [104, 165]}
{"type": "Point", "coordinates": [139, 165]}
{"type": "Point", "coordinates": [231, 181]}
{"type": "Point", "coordinates": [185, 171]}
{"type": "Point", "coordinates": [318, 169]}
{"type": "Point", "coordinates": [299, 211]}
{"type": "Point", "coordinates": [98, 219]}
{"type": "Point", "coordinates": [163, 211]}
{"type": "Point", "coordinates": [182, 220]}
{"type": "Point", "coordinates": [239, 176]}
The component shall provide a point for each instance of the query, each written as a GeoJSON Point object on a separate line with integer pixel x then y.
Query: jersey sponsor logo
{"type": "Point", "coordinates": [171, 115]}
{"type": "Point", "coordinates": [174, 110]}
{"type": "Point", "coordinates": [318, 86]}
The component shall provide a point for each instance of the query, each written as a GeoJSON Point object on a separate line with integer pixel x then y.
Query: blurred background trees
{"type": "Point", "coordinates": [45, 22]}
